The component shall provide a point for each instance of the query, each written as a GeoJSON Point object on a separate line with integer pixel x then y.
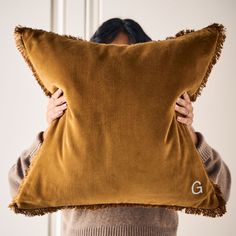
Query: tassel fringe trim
{"type": "Point", "coordinates": [18, 32]}
{"type": "Point", "coordinates": [219, 45]}
{"type": "Point", "coordinates": [217, 212]}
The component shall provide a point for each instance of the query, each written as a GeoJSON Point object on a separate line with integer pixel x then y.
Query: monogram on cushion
{"type": "Point", "coordinates": [118, 142]}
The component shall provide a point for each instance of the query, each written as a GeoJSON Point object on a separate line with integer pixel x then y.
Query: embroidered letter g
{"type": "Point", "coordinates": [197, 187]}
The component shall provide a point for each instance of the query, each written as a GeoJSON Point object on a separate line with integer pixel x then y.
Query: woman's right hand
{"type": "Point", "coordinates": [55, 109]}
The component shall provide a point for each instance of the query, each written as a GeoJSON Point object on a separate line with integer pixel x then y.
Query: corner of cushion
{"type": "Point", "coordinates": [203, 147]}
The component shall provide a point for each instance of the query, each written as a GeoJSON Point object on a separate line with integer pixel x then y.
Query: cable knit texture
{"type": "Point", "coordinates": [123, 221]}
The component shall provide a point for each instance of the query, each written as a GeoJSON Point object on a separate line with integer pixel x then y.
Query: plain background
{"type": "Point", "coordinates": [23, 104]}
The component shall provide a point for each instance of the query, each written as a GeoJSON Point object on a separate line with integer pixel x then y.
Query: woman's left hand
{"type": "Point", "coordinates": [184, 106]}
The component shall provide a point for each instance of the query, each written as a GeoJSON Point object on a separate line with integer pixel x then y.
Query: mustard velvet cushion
{"type": "Point", "coordinates": [119, 142]}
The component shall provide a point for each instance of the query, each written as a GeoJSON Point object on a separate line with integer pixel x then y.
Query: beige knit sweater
{"type": "Point", "coordinates": [124, 221]}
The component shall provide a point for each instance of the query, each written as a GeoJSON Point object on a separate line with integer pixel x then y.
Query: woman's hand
{"type": "Point", "coordinates": [56, 106]}
{"type": "Point", "coordinates": [185, 107]}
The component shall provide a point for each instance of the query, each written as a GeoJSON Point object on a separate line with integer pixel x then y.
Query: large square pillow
{"type": "Point", "coordinates": [119, 142]}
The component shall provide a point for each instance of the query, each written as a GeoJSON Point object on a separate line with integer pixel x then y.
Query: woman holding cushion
{"type": "Point", "coordinates": [124, 220]}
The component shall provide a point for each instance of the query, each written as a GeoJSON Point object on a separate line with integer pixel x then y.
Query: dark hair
{"type": "Point", "coordinates": [109, 29]}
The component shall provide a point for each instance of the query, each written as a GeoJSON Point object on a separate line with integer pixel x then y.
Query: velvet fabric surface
{"type": "Point", "coordinates": [119, 141]}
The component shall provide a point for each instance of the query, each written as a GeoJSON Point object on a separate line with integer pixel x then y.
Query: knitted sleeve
{"type": "Point", "coordinates": [17, 171]}
{"type": "Point", "coordinates": [215, 167]}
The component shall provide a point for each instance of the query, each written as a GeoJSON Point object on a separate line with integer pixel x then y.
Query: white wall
{"type": "Point", "coordinates": [23, 105]}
